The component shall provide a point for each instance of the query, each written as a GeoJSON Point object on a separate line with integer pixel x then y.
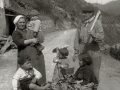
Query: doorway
{"type": "Point", "coordinates": [11, 26]}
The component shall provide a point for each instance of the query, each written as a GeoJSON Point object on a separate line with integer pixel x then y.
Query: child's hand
{"type": "Point", "coordinates": [64, 66]}
{"type": "Point", "coordinates": [34, 80]}
{"type": "Point", "coordinates": [78, 86]}
{"type": "Point", "coordinates": [56, 60]}
{"type": "Point", "coordinates": [78, 82]}
{"type": "Point", "coordinates": [89, 85]}
{"type": "Point", "coordinates": [47, 85]}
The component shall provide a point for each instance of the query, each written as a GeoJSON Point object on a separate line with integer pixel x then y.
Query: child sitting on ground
{"type": "Point", "coordinates": [84, 72]}
{"type": "Point", "coordinates": [61, 62]}
{"type": "Point", "coordinates": [27, 76]}
{"type": "Point", "coordinates": [34, 30]}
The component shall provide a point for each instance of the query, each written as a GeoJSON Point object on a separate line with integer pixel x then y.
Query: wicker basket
{"type": "Point", "coordinates": [67, 71]}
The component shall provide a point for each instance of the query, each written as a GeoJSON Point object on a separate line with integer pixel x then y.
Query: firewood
{"type": "Point", "coordinates": [7, 44]}
{"type": "Point", "coordinates": [3, 38]}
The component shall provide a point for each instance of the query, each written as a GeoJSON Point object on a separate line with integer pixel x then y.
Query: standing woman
{"type": "Point", "coordinates": [24, 46]}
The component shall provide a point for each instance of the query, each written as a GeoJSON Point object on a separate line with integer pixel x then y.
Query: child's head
{"type": "Point", "coordinates": [63, 52]}
{"type": "Point", "coordinates": [85, 59]}
{"type": "Point", "coordinates": [25, 62]}
{"type": "Point", "coordinates": [34, 14]}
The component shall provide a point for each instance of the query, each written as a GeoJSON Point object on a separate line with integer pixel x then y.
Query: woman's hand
{"type": "Point", "coordinates": [29, 41]}
{"type": "Point", "coordinates": [35, 40]}
{"type": "Point", "coordinates": [56, 60]}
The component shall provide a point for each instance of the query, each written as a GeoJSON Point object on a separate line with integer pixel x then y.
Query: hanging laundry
{"type": "Point", "coordinates": [2, 3]}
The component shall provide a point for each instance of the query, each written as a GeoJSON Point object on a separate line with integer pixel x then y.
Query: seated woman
{"type": "Point", "coordinates": [84, 72]}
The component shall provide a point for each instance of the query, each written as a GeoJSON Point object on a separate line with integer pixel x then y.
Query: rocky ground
{"type": "Point", "coordinates": [109, 71]}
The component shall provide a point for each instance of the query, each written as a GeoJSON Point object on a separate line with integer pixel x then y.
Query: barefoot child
{"type": "Point", "coordinates": [34, 29]}
{"type": "Point", "coordinates": [61, 62]}
{"type": "Point", "coordinates": [27, 76]}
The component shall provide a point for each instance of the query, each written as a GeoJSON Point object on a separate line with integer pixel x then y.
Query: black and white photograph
{"type": "Point", "coordinates": [59, 44]}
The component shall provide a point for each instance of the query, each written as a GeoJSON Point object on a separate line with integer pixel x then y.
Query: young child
{"type": "Point", "coordinates": [61, 62]}
{"type": "Point", "coordinates": [84, 72]}
{"type": "Point", "coordinates": [34, 29]}
{"type": "Point", "coordinates": [27, 76]}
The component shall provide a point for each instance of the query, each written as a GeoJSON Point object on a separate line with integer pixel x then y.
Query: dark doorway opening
{"type": "Point", "coordinates": [11, 25]}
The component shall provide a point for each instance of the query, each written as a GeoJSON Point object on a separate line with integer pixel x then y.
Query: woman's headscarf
{"type": "Point", "coordinates": [17, 19]}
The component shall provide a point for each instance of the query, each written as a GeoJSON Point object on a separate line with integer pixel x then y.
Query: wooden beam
{"type": "Point", "coordinates": [7, 44]}
{"type": "Point", "coordinates": [9, 15]}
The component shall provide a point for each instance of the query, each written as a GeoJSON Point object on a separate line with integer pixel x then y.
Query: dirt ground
{"type": "Point", "coordinates": [7, 69]}
{"type": "Point", "coordinates": [58, 39]}
{"type": "Point", "coordinates": [8, 60]}
{"type": "Point", "coordinates": [109, 71]}
{"type": "Point", "coordinates": [109, 74]}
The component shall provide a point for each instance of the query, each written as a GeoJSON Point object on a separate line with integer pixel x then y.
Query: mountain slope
{"type": "Point", "coordinates": [111, 7]}
{"type": "Point", "coordinates": [62, 11]}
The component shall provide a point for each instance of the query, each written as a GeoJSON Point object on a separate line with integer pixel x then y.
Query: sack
{"type": "Point", "coordinates": [41, 36]}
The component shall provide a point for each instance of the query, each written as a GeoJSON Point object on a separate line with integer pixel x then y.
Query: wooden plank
{"type": "Point", "coordinates": [7, 44]}
{"type": "Point", "coordinates": [3, 39]}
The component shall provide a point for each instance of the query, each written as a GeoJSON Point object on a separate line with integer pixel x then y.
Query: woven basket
{"type": "Point", "coordinates": [67, 71]}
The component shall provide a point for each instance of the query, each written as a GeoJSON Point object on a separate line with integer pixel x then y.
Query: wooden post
{"type": "Point", "coordinates": [2, 4]}
{"type": "Point", "coordinates": [2, 19]}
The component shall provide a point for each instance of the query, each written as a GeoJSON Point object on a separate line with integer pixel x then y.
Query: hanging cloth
{"type": "Point", "coordinates": [2, 4]}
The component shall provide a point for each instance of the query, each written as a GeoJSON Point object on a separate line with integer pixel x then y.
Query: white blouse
{"type": "Point", "coordinates": [21, 74]}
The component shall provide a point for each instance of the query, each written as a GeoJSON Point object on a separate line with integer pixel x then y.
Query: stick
{"type": "Point", "coordinates": [97, 15]}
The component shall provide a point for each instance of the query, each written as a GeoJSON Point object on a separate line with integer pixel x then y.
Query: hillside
{"type": "Point", "coordinates": [110, 23]}
{"type": "Point", "coordinates": [111, 26]}
{"type": "Point", "coordinates": [111, 7]}
{"type": "Point", "coordinates": [66, 12]}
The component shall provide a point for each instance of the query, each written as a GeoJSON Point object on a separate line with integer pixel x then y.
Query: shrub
{"type": "Point", "coordinates": [115, 52]}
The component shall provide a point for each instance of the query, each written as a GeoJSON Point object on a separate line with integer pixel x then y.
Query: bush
{"type": "Point", "coordinates": [115, 53]}
{"type": "Point", "coordinates": [44, 6]}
